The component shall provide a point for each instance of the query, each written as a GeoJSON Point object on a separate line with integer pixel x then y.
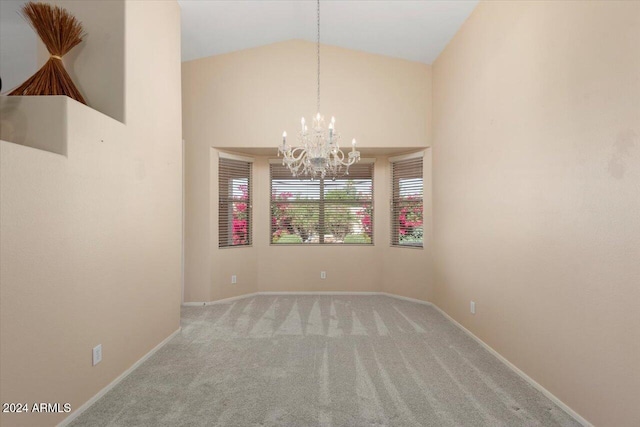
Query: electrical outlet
{"type": "Point", "coordinates": [323, 274]}
{"type": "Point", "coordinates": [234, 279]}
{"type": "Point", "coordinates": [97, 354]}
{"type": "Point", "coordinates": [472, 307]}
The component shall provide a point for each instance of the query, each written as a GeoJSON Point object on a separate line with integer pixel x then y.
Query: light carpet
{"type": "Point", "coordinates": [322, 361]}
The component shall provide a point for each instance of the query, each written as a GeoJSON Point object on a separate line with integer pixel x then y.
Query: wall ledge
{"type": "Point", "coordinates": [38, 122]}
{"type": "Point", "coordinates": [42, 122]}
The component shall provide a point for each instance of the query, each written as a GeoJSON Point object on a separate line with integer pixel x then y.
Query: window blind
{"type": "Point", "coordinates": [322, 211]}
{"type": "Point", "coordinates": [235, 210]}
{"type": "Point", "coordinates": [407, 202]}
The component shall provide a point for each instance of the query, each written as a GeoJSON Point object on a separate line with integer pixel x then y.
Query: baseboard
{"type": "Point", "coordinates": [417, 301]}
{"type": "Point", "coordinates": [329, 293]}
{"type": "Point", "coordinates": [75, 414]}
{"type": "Point", "coordinates": [517, 370]}
{"type": "Point", "coordinates": [274, 293]}
{"type": "Point", "coordinates": [501, 358]}
{"type": "Point", "coordinates": [220, 301]}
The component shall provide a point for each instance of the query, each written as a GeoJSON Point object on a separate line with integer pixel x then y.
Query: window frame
{"type": "Point", "coordinates": [227, 199]}
{"type": "Point", "coordinates": [394, 204]}
{"type": "Point", "coordinates": [321, 203]}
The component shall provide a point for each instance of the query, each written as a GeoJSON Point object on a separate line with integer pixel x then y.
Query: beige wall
{"type": "Point", "coordinates": [537, 192]}
{"type": "Point", "coordinates": [90, 242]}
{"type": "Point", "coordinates": [295, 268]}
{"type": "Point", "coordinates": [35, 122]}
{"type": "Point", "coordinates": [225, 262]}
{"type": "Point", "coordinates": [241, 102]}
{"type": "Point", "coordinates": [247, 98]}
{"type": "Point", "coordinates": [275, 268]}
{"type": "Point", "coordinates": [535, 198]}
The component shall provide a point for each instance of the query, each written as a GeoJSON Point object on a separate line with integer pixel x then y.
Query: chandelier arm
{"type": "Point", "coordinates": [340, 155]}
{"type": "Point", "coordinates": [349, 162]}
{"type": "Point", "coordinates": [342, 162]}
{"type": "Point", "coordinates": [297, 157]}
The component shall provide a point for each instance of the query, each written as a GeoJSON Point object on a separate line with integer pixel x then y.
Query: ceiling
{"type": "Point", "coordinates": [414, 30]}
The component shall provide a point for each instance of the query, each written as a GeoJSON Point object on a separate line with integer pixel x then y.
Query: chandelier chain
{"type": "Point", "coordinates": [318, 54]}
{"type": "Point", "coordinates": [319, 153]}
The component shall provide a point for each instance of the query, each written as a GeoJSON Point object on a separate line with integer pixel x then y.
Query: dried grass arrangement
{"type": "Point", "coordinates": [60, 32]}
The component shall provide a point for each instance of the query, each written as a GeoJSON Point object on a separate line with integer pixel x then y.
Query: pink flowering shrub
{"type": "Point", "coordinates": [364, 216]}
{"type": "Point", "coordinates": [280, 219]}
{"type": "Point", "coordinates": [410, 220]}
{"type": "Point", "coordinates": [240, 219]}
{"type": "Point", "coordinates": [299, 215]}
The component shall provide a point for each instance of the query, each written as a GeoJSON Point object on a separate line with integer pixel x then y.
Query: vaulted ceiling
{"type": "Point", "coordinates": [413, 30]}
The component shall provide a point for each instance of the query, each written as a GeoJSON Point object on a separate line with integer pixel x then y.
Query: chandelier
{"type": "Point", "coordinates": [319, 152]}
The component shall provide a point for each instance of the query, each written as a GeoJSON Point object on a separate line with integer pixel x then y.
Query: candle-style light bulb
{"type": "Point", "coordinates": [284, 145]}
{"type": "Point", "coordinates": [302, 124]}
{"type": "Point", "coordinates": [353, 144]}
{"type": "Point", "coordinates": [318, 116]}
{"type": "Point", "coordinates": [333, 120]}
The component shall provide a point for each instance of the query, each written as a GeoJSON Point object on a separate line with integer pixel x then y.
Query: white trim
{"type": "Point", "coordinates": [409, 156]}
{"type": "Point", "coordinates": [417, 301]}
{"type": "Point", "coordinates": [517, 370]}
{"type": "Point", "coordinates": [75, 414]}
{"type": "Point", "coordinates": [182, 225]}
{"type": "Point", "coordinates": [273, 293]}
{"type": "Point", "coordinates": [220, 301]}
{"type": "Point", "coordinates": [335, 293]}
{"type": "Point", "coordinates": [230, 156]}
{"type": "Point", "coordinates": [365, 160]}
